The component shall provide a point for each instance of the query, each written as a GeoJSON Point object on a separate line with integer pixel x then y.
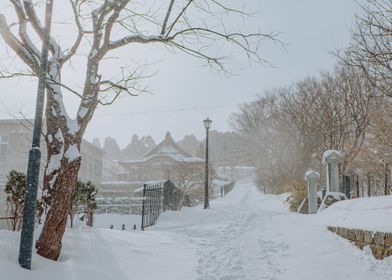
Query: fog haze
{"type": "Point", "coordinates": [184, 92]}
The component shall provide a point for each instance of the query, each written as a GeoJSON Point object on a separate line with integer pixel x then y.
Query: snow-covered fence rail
{"type": "Point", "coordinates": [221, 188]}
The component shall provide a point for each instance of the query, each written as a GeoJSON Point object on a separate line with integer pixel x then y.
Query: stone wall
{"type": "Point", "coordinates": [380, 243]}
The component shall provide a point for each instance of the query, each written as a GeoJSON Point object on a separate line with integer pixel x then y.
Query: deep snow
{"type": "Point", "coordinates": [370, 213]}
{"type": "Point", "coordinates": [246, 235]}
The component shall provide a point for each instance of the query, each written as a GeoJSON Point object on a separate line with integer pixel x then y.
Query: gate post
{"type": "Point", "coordinates": [331, 160]}
{"type": "Point", "coordinates": [312, 177]}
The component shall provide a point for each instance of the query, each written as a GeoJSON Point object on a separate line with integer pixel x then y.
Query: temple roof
{"type": "Point", "coordinates": [167, 148]}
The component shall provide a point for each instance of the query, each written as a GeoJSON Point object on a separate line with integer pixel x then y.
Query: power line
{"type": "Point", "coordinates": [194, 108]}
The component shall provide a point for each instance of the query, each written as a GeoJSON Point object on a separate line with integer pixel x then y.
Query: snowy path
{"type": "Point", "coordinates": [252, 236]}
{"type": "Point", "coordinates": [245, 236]}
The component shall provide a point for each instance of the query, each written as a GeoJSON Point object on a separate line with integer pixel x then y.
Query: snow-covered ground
{"type": "Point", "coordinates": [246, 235]}
{"type": "Point", "coordinates": [104, 221]}
{"type": "Point", "coordinates": [372, 213]}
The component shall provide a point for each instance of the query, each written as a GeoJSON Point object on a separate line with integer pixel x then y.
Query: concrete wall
{"type": "Point", "coordinates": [379, 242]}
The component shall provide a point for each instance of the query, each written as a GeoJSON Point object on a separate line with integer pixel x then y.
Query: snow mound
{"type": "Point", "coordinates": [98, 254]}
{"type": "Point", "coordinates": [362, 213]}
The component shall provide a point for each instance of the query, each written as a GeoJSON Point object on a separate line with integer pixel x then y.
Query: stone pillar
{"type": "Point", "coordinates": [312, 177]}
{"type": "Point", "coordinates": [331, 160]}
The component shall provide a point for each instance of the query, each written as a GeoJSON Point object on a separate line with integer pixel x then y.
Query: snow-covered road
{"type": "Point", "coordinates": [245, 236]}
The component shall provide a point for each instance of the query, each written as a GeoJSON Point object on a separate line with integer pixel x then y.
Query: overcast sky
{"type": "Point", "coordinates": [185, 92]}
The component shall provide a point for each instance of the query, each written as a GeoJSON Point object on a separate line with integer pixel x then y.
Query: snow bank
{"type": "Point", "coordinates": [245, 236]}
{"type": "Point", "coordinates": [373, 213]}
{"type": "Point", "coordinates": [92, 254]}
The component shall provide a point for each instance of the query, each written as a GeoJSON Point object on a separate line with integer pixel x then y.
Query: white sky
{"type": "Point", "coordinates": [311, 29]}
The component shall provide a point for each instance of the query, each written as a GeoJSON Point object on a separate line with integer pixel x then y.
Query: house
{"type": "Point", "coordinates": [158, 164]}
{"type": "Point", "coordinates": [15, 143]}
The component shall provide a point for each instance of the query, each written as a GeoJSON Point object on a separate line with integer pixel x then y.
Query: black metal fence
{"type": "Point", "coordinates": [157, 198]}
{"type": "Point", "coordinates": [369, 185]}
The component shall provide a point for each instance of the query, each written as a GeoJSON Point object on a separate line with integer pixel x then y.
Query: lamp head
{"type": "Point", "coordinates": [207, 123]}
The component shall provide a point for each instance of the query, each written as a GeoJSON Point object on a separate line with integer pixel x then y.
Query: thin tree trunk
{"type": "Point", "coordinates": [49, 243]}
{"type": "Point", "coordinates": [90, 217]}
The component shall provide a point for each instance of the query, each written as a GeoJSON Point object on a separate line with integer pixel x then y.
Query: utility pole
{"type": "Point", "coordinates": [28, 224]}
{"type": "Point", "coordinates": [207, 124]}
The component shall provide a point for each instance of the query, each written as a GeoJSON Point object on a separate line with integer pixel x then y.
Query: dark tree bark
{"type": "Point", "coordinates": [49, 244]}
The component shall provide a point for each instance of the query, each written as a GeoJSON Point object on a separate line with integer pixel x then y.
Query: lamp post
{"type": "Point", "coordinates": [27, 233]}
{"type": "Point", "coordinates": [207, 125]}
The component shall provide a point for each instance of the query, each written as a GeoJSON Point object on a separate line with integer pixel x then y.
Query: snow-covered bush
{"type": "Point", "coordinates": [15, 189]}
{"type": "Point", "coordinates": [84, 197]}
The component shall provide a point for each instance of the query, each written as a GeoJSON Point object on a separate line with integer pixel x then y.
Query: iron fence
{"type": "Point", "coordinates": [157, 198]}
{"type": "Point", "coordinates": [369, 185]}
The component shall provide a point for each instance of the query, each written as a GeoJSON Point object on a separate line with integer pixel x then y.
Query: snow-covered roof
{"type": "Point", "coordinates": [107, 183]}
{"type": "Point", "coordinates": [138, 190]}
{"type": "Point", "coordinates": [167, 149]}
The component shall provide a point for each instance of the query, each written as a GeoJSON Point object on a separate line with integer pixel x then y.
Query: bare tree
{"type": "Point", "coordinates": [268, 140]}
{"type": "Point", "coordinates": [194, 27]}
{"type": "Point", "coordinates": [332, 112]}
{"type": "Point", "coordinates": [188, 176]}
{"type": "Point", "coordinates": [287, 130]}
{"type": "Point", "coordinates": [371, 48]}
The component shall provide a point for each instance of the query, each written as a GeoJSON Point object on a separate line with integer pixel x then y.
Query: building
{"type": "Point", "coordinates": [15, 143]}
{"type": "Point", "coordinates": [158, 164]}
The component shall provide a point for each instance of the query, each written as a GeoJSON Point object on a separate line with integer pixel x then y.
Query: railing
{"type": "Point", "coordinates": [222, 188]}
{"type": "Point", "coordinates": [354, 186]}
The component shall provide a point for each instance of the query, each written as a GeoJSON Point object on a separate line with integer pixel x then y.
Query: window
{"type": "Point", "coordinates": [3, 148]}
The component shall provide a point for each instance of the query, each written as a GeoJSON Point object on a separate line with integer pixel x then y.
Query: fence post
{"type": "Point", "coordinates": [144, 198]}
{"type": "Point", "coordinates": [369, 193]}
{"type": "Point", "coordinates": [331, 160]}
{"type": "Point", "coordinates": [323, 194]}
{"type": "Point", "coordinates": [346, 185]}
{"type": "Point", "coordinates": [386, 191]}
{"type": "Point", "coordinates": [357, 185]}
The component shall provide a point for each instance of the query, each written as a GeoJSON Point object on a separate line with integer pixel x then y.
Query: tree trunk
{"type": "Point", "coordinates": [90, 217]}
{"type": "Point", "coordinates": [49, 243]}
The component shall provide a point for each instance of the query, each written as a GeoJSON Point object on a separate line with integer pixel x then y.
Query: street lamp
{"type": "Point", "coordinates": [207, 125]}
{"type": "Point", "coordinates": [27, 232]}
